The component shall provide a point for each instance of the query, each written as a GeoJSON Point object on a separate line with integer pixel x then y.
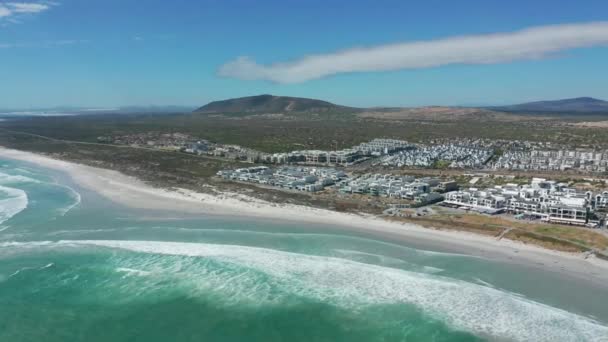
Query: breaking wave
{"type": "Point", "coordinates": [12, 179]}
{"type": "Point", "coordinates": [15, 201]}
{"type": "Point", "coordinates": [241, 273]}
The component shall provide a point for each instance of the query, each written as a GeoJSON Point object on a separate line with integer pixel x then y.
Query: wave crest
{"type": "Point", "coordinates": [15, 202]}
{"type": "Point", "coordinates": [260, 273]}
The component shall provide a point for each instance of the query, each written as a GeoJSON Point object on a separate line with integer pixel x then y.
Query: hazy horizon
{"type": "Point", "coordinates": [92, 108]}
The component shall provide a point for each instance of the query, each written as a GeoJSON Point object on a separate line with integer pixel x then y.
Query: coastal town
{"type": "Point", "coordinates": [541, 199]}
{"type": "Point", "coordinates": [339, 172]}
{"type": "Point", "coordinates": [465, 154]}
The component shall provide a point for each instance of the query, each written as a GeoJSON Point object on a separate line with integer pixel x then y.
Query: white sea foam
{"type": "Point", "coordinates": [25, 170]}
{"type": "Point", "coordinates": [463, 305]}
{"type": "Point", "coordinates": [76, 198]}
{"type": "Point", "coordinates": [13, 200]}
{"type": "Point", "coordinates": [47, 266]}
{"type": "Point", "coordinates": [12, 179]}
{"type": "Point", "coordinates": [132, 271]}
{"type": "Point", "coordinates": [8, 179]}
{"type": "Point", "coordinates": [431, 269]}
{"type": "Point", "coordinates": [11, 236]}
{"type": "Point", "coordinates": [484, 283]}
{"type": "Point", "coordinates": [444, 254]}
{"type": "Point", "coordinates": [16, 244]}
{"type": "Point", "coordinates": [383, 259]}
{"type": "Point", "coordinates": [326, 236]}
{"type": "Point", "coordinates": [30, 268]}
{"type": "Point", "coordinates": [19, 271]}
{"type": "Point", "coordinates": [466, 306]}
{"type": "Point", "coordinates": [82, 231]}
{"type": "Point", "coordinates": [12, 203]}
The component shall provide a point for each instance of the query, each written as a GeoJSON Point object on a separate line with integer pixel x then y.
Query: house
{"type": "Point", "coordinates": [447, 186]}
{"type": "Point", "coordinates": [428, 198]}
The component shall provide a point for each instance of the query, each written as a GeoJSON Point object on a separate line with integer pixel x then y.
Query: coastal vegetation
{"type": "Point", "coordinates": [551, 236]}
{"type": "Point", "coordinates": [281, 124]}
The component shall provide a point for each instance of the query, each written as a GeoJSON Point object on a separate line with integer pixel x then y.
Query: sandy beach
{"type": "Point", "coordinates": [132, 192]}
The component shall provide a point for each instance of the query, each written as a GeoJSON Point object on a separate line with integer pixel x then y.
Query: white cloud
{"type": "Point", "coordinates": [4, 11]}
{"type": "Point", "coordinates": [13, 10]}
{"type": "Point", "coordinates": [532, 43]}
{"type": "Point", "coordinates": [27, 7]}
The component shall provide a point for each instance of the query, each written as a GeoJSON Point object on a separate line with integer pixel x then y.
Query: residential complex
{"type": "Point", "coordinates": [475, 154]}
{"type": "Point", "coordinates": [422, 190]}
{"type": "Point", "coordinates": [453, 155]}
{"type": "Point", "coordinates": [309, 179]}
{"type": "Point", "coordinates": [553, 160]}
{"type": "Point", "coordinates": [345, 157]}
{"type": "Point", "coordinates": [380, 147]}
{"type": "Point", "coordinates": [542, 199]}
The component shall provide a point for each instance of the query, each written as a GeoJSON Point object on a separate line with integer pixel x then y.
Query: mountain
{"type": "Point", "coordinates": [269, 104]}
{"type": "Point", "coordinates": [579, 105]}
{"type": "Point", "coordinates": [292, 106]}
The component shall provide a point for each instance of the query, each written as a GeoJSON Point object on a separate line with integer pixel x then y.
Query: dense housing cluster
{"type": "Point", "coordinates": [380, 147]}
{"type": "Point", "coordinates": [316, 157]}
{"type": "Point", "coordinates": [234, 152]}
{"type": "Point", "coordinates": [458, 154]}
{"type": "Point", "coordinates": [453, 155]}
{"type": "Point", "coordinates": [344, 157]}
{"type": "Point", "coordinates": [419, 190]}
{"type": "Point", "coordinates": [294, 178]}
{"type": "Point", "coordinates": [541, 199]}
{"type": "Point", "coordinates": [558, 160]}
{"type": "Point", "coordinates": [423, 190]}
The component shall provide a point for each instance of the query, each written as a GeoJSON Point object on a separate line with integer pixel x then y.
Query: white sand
{"type": "Point", "coordinates": [132, 192]}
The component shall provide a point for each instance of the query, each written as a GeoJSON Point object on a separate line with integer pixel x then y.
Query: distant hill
{"type": "Point", "coordinates": [579, 105]}
{"type": "Point", "coordinates": [269, 104]}
{"type": "Point", "coordinates": [297, 106]}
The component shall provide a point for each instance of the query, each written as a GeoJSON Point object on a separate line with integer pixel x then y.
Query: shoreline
{"type": "Point", "coordinates": [132, 192]}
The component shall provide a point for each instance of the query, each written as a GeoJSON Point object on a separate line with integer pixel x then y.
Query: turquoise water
{"type": "Point", "coordinates": [76, 267]}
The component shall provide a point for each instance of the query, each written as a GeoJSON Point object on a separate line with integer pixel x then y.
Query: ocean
{"type": "Point", "coordinates": [77, 267]}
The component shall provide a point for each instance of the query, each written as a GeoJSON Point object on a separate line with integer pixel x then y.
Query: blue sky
{"type": "Point", "coordinates": [110, 53]}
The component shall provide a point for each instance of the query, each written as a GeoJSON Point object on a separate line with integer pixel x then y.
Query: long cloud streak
{"type": "Point", "coordinates": [15, 9]}
{"type": "Point", "coordinates": [532, 43]}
